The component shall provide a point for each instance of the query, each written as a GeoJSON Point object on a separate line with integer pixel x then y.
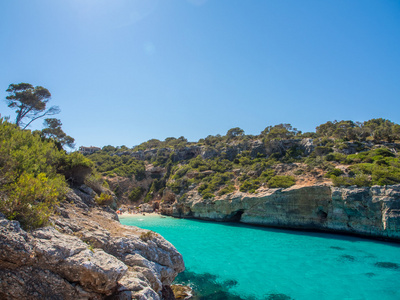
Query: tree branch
{"type": "Point", "coordinates": [51, 111]}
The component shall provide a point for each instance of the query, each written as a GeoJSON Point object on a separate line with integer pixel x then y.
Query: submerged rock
{"type": "Point", "coordinates": [387, 265]}
{"type": "Point", "coordinates": [182, 292]}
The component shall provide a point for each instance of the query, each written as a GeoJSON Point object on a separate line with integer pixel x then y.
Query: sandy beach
{"type": "Point", "coordinates": [141, 213]}
{"type": "Point", "coordinates": [126, 214]}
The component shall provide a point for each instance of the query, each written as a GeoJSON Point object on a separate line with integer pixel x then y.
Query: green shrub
{"type": "Point", "coordinates": [339, 157]}
{"type": "Point", "coordinates": [385, 152]}
{"type": "Point", "coordinates": [197, 162]}
{"type": "Point", "coordinates": [249, 186]}
{"type": "Point", "coordinates": [30, 185]}
{"type": "Point", "coordinates": [136, 193]}
{"type": "Point", "coordinates": [359, 180]}
{"type": "Point", "coordinates": [178, 185]}
{"type": "Point", "coordinates": [181, 172]}
{"type": "Point", "coordinates": [383, 172]}
{"type": "Point", "coordinates": [31, 199]}
{"type": "Point", "coordinates": [245, 161]}
{"type": "Point", "coordinates": [334, 172]}
{"type": "Point", "coordinates": [202, 187]}
{"type": "Point", "coordinates": [380, 154]}
{"type": "Point", "coordinates": [226, 190]}
{"type": "Point", "coordinates": [384, 176]}
{"type": "Point", "coordinates": [322, 150]}
{"type": "Point", "coordinates": [21, 151]}
{"type": "Point", "coordinates": [208, 195]}
{"type": "Point", "coordinates": [205, 191]}
{"type": "Point", "coordinates": [104, 199]}
{"type": "Point", "coordinates": [148, 198]}
{"type": "Point", "coordinates": [75, 167]}
{"type": "Point", "coordinates": [364, 168]}
{"type": "Point", "coordinates": [95, 182]}
{"type": "Point", "coordinates": [148, 235]}
{"type": "Point", "coordinates": [381, 162]}
{"type": "Point", "coordinates": [298, 172]}
{"type": "Point", "coordinates": [267, 175]}
{"type": "Point", "coordinates": [281, 181]}
{"type": "Point", "coordinates": [121, 165]}
{"type": "Point", "coordinates": [293, 154]}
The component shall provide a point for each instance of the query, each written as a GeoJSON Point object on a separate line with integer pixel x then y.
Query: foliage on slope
{"type": "Point", "coordinates": [345, 152]}
{"type": "Point", "coordinates": [117, 165]}
{"type": "Point", "coordinates": [34, 174]}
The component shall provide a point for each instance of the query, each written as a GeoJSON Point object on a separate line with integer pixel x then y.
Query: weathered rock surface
{"type": "Point", "coordinates": [372, 212]}
{"type": "Point", "coordinates": [86, 255]}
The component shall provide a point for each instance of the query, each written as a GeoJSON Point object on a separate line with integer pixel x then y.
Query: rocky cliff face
{"type": "Point", "coordinates": [255, 147]}
{"type": "Point", "coordinates": [87, 254]}
{"type": "Point", "coordinates": [372, 212]}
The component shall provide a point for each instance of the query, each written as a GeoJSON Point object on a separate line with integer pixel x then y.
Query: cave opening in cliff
{"type": "Point", "coordinates": [322, 215]}
{"type": "Point", "coordinates": [237, 215]}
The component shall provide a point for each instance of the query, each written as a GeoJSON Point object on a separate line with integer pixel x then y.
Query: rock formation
{"type": "Point", "coordinates": [372, 212]}
{"type": "Point", "coordinates": [256, 147]}
{"type": "Point", "coordinates": [86, 254]}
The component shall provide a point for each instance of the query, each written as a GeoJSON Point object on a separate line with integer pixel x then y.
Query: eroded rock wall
{"type": "Point", "coordinates": [372, 212]}
{"type": "Point", "coordinates": [87, 254]}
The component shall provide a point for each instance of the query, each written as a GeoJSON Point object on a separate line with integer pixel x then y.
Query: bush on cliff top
{"type": "Point", "coordinates": [281, 181]}
{"type": "Point", "coordinates": [374, 167]}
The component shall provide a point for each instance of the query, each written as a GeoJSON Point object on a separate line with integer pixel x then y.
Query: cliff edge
{"type": "Point", "coordinates": [86, 254]}
{"type": "Point", "coordinates": [368, 211]}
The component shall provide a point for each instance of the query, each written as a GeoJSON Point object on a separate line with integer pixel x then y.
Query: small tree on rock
{"type": "Point", "coordinates": [234, 132]}
{"type": "Point", "coordinates": [280, 132]}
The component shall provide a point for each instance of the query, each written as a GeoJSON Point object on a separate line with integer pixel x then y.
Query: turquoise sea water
{"type": "Point", "coordinates": [235, 261]}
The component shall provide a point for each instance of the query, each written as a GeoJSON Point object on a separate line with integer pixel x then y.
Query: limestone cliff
{"type": "Point", "coordinates": [86, 254]}
{"type": "Point", "coordinates": [372, 212]}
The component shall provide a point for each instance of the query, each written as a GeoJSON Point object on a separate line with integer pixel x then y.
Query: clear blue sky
{"type": "Point", "coordinates": [126, 71]}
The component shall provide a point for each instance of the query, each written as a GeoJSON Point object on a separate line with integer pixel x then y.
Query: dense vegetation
{"type": "Point", "coordinates": [343, 152]}
{"type": "Point", "coordinates": [34, 174]}
{"type": "Point", "coordinates": [118, 165]}
{"type": "Point", "coordinates": [35, 171]}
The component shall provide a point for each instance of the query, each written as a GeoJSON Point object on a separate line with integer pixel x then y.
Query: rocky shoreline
{"type": "Point", "coordinates": [372, 212]}
{"type": "Point", "coordinates": [86, 254]}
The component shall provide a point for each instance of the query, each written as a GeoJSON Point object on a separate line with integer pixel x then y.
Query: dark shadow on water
{"type": "Point", "coordinates": [278, 297]}
{"type": "Point", "coordinates": [387, 265]}
{"type": "Point", "coordinates": [304, 232]}
{"type": "Point", "coordinates": [346, 257]}
{"type": "Point", "coordinates": [206, 286]}
{"type": "Point", "coordinates": [337, 248]}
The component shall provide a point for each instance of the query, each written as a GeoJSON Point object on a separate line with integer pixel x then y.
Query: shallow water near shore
{"type": "Point", "coordinates": [236, 261]}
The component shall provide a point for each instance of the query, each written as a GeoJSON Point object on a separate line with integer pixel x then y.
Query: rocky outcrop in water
{"type": "Point", "coordinates": [372, 212]}
{"type": "Point", "coordinates": [87, 254]}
